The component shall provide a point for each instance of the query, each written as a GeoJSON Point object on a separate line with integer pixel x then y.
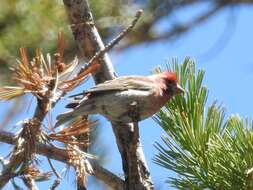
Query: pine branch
{"type": "Point", "coordinates": [59, 154]}
{"type": "Point", "coordinates": [46, 80]}
{"type": "Point", "coordinates": [20, 150]}
{"type": "Point", "coordinates": [204, 147]}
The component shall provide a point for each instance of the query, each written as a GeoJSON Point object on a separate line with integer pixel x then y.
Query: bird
{"type": "Point", "coordinates": [124, 99]}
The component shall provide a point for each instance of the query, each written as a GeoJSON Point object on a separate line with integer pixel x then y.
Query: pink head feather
{"type": "Point", "coordinates": [170, 76]}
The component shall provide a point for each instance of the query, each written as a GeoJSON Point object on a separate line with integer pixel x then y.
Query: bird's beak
{"type": "Point", "coordinates": [179, 89]}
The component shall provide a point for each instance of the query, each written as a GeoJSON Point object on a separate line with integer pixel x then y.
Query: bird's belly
{"type": "Point", "coordinates": [131, 105]}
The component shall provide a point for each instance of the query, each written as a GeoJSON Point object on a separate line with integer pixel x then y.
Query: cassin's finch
{"type": "Point", "coordinates": [125, 99]}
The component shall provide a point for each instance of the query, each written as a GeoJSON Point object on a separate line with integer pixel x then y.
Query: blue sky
{"type": "Point", "coordinates": [229, 76]}
{"type": "Point", "coordinates": [229, 73]}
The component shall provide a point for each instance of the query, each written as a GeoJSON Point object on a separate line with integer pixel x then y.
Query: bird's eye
{"type": "Point", "coordinates": [170, 82]}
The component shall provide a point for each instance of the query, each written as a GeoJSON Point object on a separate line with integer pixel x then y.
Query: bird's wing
{"type": "Point", "coordinates": [121, 84]}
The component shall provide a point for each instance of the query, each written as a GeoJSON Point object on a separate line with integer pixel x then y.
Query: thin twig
{"type": "Point", "coordinates": [176, 31]}
{"type": "Point", "coordinates": [53, 169]}
{"type": "Point", "coordinates": [29, 182]}
{"type": "Point", "coordinates": [115, 41]}
{"type": "Point", "coordinates": [57, 181]}
{"type": "Point", "coordinates": [55, 184]}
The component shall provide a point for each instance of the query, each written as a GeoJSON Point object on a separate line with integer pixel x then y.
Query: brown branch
{"type": "Point", "coordinates": [116, 40]}
{"type": "Point", "coordinates": [186, 27]}
{"type": "Point", "coordinates": [59, 154]}
{"type": "Point", "coordinates": [148, 36]}
{"type": "Point", "coordinates": [81, 186]}
{"type": "Point", "coordinates": [7, 137]}
{"type": "Point", "coordinates": [29, 182]}
{"type": "Point", "coordinates": [55, 184]}
{"type": "Point", "coordinates": [53, 169]}
{"type": "Point", "coordinates": [134, 164]}
{"type": "Point", "coordinates": [89, 42]}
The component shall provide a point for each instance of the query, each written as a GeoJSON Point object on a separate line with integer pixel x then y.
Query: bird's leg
{"type": "Point", "coordinates": [134, 113]}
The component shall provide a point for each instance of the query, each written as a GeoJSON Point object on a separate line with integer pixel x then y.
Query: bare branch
{"type": "Point", "coordinates": [117, 39]}
{"type": "Point", "coordinates": [23, 151]}
{"type": "Point", "coordinates": [176, 31]}
{"type": "Point", "coordinates": [58, 154]}
{"type": "Point", "coordinates": [53, 169]}
{"type": "Point", "coordinates": [55, 184]}
{"type": "Point", "coordinates": [29, 182]}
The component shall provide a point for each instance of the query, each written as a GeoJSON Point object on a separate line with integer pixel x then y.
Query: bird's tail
{"type": "Point", "coordinates": [73, 114]}
{"type": "Point", "coordinates": [78, 109]}
{"type": "Point", "coordinates": [64, 118]}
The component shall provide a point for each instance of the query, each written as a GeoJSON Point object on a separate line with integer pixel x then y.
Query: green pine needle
{"type": "Point", "coordinates": [203, 147]}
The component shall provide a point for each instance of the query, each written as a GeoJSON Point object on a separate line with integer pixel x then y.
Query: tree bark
{"type": "Point", "coordinates": [135, 169]}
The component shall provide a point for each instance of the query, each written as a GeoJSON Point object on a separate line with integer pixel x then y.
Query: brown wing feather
{"type": "Point", "coordinates": [120, 84]}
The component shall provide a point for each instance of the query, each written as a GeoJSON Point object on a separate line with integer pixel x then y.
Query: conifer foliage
{"type": "Point", "coordinates": [204, 147]}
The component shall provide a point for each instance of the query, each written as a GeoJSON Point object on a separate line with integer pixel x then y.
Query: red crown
{"type": "Point", "coordinates": [171, 75]}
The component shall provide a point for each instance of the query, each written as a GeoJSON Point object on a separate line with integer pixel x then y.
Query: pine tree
{"type": "Point", "coordinates": [204, 147]}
